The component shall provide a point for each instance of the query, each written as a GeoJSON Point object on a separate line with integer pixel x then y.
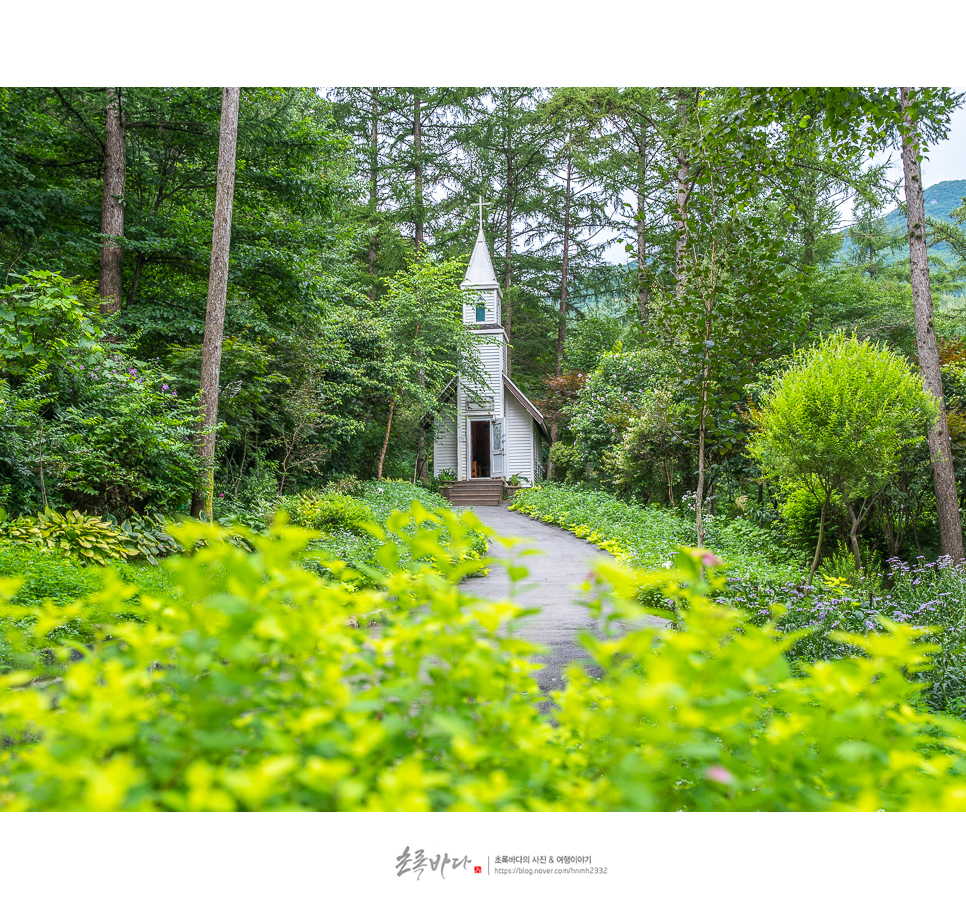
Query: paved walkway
{"type": "Point", "coordinates": [556, 573]}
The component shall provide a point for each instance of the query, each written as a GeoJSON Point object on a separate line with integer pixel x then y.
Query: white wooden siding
{"type": "Point", "coordinates": [462, 467]}
{"type": "Point", "coordinates": [444, 445]}
{"type": "Point", "coordinates": [538, 470]}
{"type": "Point", "coordinates": [519, 438]}
{"type": "Point", "coordinates": [492, 357]}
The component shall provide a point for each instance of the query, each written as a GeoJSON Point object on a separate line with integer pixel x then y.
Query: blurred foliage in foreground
{"type": "Point", "coordinates": [257, 685]}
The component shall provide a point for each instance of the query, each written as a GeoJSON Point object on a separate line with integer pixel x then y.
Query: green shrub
{"type": "Point", "coordinates": [567, 464]}
{"type": "Point", "coordinates": [328, 512]}
{"type": "Point", "coordinates": [843, 420]}
{"type": "Point", "coordinates": [347, 485]}
{"type": "Point", "coordinates": [252, 690]}
{"type": "Point", "coordinates": [100, 432]}
{"type": "Point", "coordinates": [42, 316]}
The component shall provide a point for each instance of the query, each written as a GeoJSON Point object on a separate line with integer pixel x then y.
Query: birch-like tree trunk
{"type": "Point", "coordinates": [418, 152]}
{"type": "Point", "coordinates": [643, 296]}
{"type": "Point", "coordinates": [683, 190]}
{"type": "Point", "coordinates": [110, 282]}
{"type": "Point", "coordinates": [373, 187]}
{"type": "Point", "coordinates": [943, 474]}
{"type": "Point", "coordinates": [217, 295]}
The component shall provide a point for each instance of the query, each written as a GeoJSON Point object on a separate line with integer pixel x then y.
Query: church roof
{"type": "Point", "coordinates": [529, 406]}
{"type": "Point", "coordinates": [480, 272]}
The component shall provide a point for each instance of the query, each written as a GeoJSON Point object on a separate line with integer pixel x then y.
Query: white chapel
{"type": "Point", "coordinates": [495, 433]}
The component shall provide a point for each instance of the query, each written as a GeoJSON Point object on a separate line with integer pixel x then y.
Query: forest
{"type": "Point", "coordinates": [723, 361]}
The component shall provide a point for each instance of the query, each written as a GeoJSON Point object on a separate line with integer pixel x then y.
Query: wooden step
{"type": "Point", "coordinates": [477, 492]}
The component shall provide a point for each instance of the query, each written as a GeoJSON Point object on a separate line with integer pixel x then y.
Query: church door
{"type": "Point", "coordinates": [498, 451]}
{"type": "Point", "coordinates": [480, 450]}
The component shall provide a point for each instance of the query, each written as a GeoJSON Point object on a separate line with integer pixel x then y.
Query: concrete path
{"type": "Point", "coordinates": [556, 573]}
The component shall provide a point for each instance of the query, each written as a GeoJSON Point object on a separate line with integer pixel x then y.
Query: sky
{"type": "Point", "coordinates": [947, 159]}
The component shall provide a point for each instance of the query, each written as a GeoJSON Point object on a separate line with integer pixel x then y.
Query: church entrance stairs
{"type": "Point", "coordinates": [477, 492]}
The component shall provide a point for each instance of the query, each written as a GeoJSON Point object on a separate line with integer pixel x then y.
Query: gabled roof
{"type": "Point", "coordinates": [529, 406]}
{"type": "Point", "coordinates": [480, 272]}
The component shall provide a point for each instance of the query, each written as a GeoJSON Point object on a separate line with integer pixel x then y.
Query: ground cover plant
{"type": "Point", "coordinates": [250, 689]}
{"type": "Point", "coordinates": [348, 539]}
{"type": "Point", "coordinates": [46, 579]}
{"type": "Point", "coordinates": [928, 596]}
{"type": "Point", "coordinates": [649, 538]}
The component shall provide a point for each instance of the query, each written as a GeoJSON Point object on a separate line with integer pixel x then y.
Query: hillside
{"type": "Point", "coordinates": [940, 199]}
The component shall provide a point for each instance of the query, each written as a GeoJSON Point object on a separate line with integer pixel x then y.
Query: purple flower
{"type": "Point", "coordinates": [164, 386]}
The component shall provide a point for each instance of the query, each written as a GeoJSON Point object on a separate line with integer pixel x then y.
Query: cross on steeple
{"type": "Point", "coordinates": [479, 204]}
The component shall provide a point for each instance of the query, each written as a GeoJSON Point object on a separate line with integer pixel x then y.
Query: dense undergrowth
{"type": "Point", "coordinates": [348, 542]}
{"type": "Point", "coordinates": [247, 687]}
{"type": "Point", "coordinates": [352, 528]}
{"type": "Point", "coordinates": [929, 597]}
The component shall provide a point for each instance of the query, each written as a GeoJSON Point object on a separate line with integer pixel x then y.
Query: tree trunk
{"type": "Point", "coordinates": [507, 263]}
{"type": "Point", "coordinates": [854, 537]}
{"type": "Point", "coordinates": [821, 534]}
{"type": "Point", "coordinates": [704, 407]}
{"type": "Point", "coordinates": [642, 292]}
{"type": "Point", "coordinates": [373, 189]}
{"type": "Point", "coordinates": [944, 478]}
{"type": "Point", "coordinates": [702, 433]}
{"type": "Point", "coordinates": [385, 440]}
{"type": "Point", "coordinates": [421, 459]}
{"type": "Point", "coordinates": [553, 440]}
{"type": "Point", "coordinates": [418, 151]}
{"type": "Point", "coordinates": [111, 280]}
{"type": "Point", "coordinates": [681, 201]}
{"type": "Point", "coordinates": [217, 295]}
{"type": "Point", "coordinates": [138, 268]}
{"type": "Point", "coordinates": [670, 482]}
{"type": "Point", "coordinates": [562, 322]}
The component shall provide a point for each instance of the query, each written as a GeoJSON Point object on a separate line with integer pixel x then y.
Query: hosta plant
{"type": "Point", "coordinates": [148, 535]}
{"type": "Point", "coordinates": [90, 538]}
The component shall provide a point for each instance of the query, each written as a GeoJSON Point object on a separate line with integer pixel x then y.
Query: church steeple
{"type": "Point", "coordinates": [483, 303]}
{"type": "Point", "coordinates": [480, 272]}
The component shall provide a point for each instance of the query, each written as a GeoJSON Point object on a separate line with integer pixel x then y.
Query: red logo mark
{"type": "Point", "coordinates": [478, 870]}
